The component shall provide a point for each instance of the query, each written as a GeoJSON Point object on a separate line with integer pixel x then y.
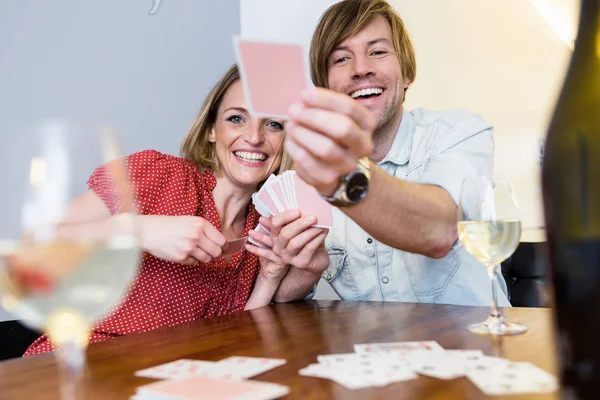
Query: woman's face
{"type": "Point", "coordinates": [248, 148]}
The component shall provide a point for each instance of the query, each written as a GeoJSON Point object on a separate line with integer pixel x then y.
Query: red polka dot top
{"type": "Point", "coordinates": [167, 293]}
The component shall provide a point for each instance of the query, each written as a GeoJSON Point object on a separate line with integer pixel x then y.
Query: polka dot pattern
{"type": "Point", "coordinates": [166, 293]}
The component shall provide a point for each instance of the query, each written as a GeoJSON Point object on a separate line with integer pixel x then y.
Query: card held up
{"type": "Point", "coordinates": [273, 75]}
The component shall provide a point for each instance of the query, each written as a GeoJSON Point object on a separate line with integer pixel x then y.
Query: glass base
{"type": "Point", "coordinates": [497, 326]}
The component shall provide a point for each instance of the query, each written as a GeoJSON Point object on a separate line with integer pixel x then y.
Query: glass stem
{"type": "Point", "coordinates": [71, 362]}
{"type": "Point", "coordinates": [492, 272]}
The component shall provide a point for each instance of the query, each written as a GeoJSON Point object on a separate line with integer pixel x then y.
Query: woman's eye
{"type": "Point", "coordinates": [379, 52]}
{"type": "Point", "coordinates": [236, 119]}
{"type": "Point", "coordinates": [275, 125]}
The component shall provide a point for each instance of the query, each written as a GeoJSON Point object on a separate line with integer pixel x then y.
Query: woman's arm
{"type": "Point", "coordinates": [267, 283]}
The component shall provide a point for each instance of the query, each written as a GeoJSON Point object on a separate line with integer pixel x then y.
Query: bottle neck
{"type": "Point", "coordinates": [587, 44]}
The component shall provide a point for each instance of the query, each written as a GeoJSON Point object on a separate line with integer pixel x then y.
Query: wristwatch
{"type": "Point", "coordinates": [353, 187]}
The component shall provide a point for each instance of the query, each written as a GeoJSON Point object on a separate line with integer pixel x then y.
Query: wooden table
{"type": "Point", "coordinates": [297, 332]}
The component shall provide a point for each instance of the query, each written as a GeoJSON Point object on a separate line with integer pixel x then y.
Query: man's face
{"type": "Point", "coordinates": [366, 67]}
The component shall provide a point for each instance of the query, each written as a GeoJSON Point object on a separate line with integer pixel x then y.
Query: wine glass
{"type": "Point", "coordinates": [63, 267]}
{"type": "Point", "coordinates": [489, 228]}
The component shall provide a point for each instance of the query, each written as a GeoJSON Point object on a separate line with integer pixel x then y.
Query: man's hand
{"type": "Point", "coordinates": [327, 134]}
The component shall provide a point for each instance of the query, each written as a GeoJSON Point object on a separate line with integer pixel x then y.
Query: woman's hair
{"type": "Point", "coordinates": [196, 146]}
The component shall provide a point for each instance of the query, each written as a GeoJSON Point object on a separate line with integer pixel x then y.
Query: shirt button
{"type": "Point", "coordinates": [328, 277]}
{"type": "Point", "coordinates": [369, 240]}
{"type": "Point", "coordinates": [385, 279]}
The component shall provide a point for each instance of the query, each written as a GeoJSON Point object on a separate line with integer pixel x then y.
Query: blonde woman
{"type": "Point", "coordinates": [190, 207]}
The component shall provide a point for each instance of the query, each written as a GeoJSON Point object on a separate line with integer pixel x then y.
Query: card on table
{"type": "Point", "coordinates": [398, 347]}
{"type": "Point", "coordinates": [182, 369]}
{"type": "Point", "coordinates": [379, 364]}
{"type": "Point", "coordinates": [228, 368]}
{"type": "Point", "coordinates": [355, 374]}
{"type": "Point", "coordinates": [513, 378]}
{"type": "Point", "coordinates": [199, 387]}
{"type": "Point", "coordinates": [248, 367]}
{"type": "Point", "coordinates": [273, 75]}
{"type": "Point", "coordinates": [289, 191]}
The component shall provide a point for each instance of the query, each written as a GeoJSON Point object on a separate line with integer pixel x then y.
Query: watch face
{"type": "Point", "coordinates": [357, 187]}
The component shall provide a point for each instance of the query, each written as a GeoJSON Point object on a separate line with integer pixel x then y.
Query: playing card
{"type": "Point", "coordinates": [233, 246]}
{"type": "Point", "coordinates": [262, 229]}
{"type": "Point", "coordinates": [276, 194]}
{"type": "Point", "coordinates": [357, 371]}
{"type": "Point", "coordinates": [484, 363]}
{"type": "Point", "coordinates": [310, 202]}
{"type": "Point", "coordinates": [437, 364]}
{"type": "Point", "coordinates": [289, 191]}
{"type": "Point", "coordinates": [248, 367]}
{"type": "Point", "coordinates": [260, 206]}
{"type": "Point", "coordinates": [273, 75]}
{"type": "Point", "coordinates": [196, 388]}
{"type": "Point", "coordinates": [513, 378]}
{"type": "Point", "coordinates": [346, 359]}
{"type": "Point", "coordinates": [397, 347]}
{"type": "Point", "coordinates": [182, 369]}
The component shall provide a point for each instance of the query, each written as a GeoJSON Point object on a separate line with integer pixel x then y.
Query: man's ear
{"type": "Point", "coordinates": [408, 82]}
{"type": "Point", "coordinates": [212, 137]}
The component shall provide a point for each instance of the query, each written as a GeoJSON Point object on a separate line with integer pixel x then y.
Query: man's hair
{"type": "Point", "coordinates": [346, 19]}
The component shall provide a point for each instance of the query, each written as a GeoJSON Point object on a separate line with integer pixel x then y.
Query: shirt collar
{"type": "Point", "coordinates": [399, 153]}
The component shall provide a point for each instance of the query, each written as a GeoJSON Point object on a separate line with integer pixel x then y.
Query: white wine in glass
{"type": "Point", "coordinates": [61, 268]}
{"type": "Point", "coordinates": [490, 230]}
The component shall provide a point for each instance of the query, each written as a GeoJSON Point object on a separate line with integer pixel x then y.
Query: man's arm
{"type": "Point", "coordinates": [296, 285]}
{"type": "Point", "coordinates": [329, 132]}
{"type": "Point", "coordinates": [417, 218]}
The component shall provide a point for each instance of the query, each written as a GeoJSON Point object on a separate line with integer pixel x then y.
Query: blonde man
{"type": "Point", "coordinates": [395, 237]}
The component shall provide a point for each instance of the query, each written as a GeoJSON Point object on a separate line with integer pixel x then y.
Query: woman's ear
{"type": "Point", "coordinates": [212, 137]}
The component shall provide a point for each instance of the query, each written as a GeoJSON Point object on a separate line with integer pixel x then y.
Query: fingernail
{"type": "Point", "coordinates": [295, 109]}
{"type": "Point", "coordinates": [311, 219]}
{"type": "Point", "coordinates": [295, 213]}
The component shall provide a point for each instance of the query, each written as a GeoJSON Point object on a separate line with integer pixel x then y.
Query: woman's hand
{"type": "Point", "coordinates": [181, 239]}
{"type": "Point", "coordinates": [272, 267]}
{"type": "Point", "coordinates": [272, 271]}
{"type": "Point", "coordinates": [296, 242]}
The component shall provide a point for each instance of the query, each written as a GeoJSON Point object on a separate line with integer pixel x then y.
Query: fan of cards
{"type": "Point", "coordinates": [377, 365]}
{"type": "Point", "coordinates": [207, 380]}
{"type": "Point", "coordinates": [289, 191]}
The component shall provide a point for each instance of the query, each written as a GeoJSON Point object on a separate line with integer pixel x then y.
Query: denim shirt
{"type": "Point", "coordinates": [431, 147]}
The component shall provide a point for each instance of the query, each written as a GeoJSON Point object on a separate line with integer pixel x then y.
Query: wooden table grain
{"type": "Point", "coordinates": [297, 332]}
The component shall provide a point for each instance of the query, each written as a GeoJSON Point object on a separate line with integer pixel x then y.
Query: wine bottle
{"type": "Point", "coordinates": [571, 194]}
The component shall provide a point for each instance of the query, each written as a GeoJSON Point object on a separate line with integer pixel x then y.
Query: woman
{"type": "Point", "coordinates": [189, 208]}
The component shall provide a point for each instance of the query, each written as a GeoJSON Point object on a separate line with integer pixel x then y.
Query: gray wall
{"type": "Point", "coordinates": [107, 61]}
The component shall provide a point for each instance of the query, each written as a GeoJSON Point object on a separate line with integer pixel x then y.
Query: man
{"type": "Point", "coordinates": [395, 237]}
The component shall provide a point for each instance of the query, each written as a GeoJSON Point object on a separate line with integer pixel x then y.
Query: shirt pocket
{"type": "Point", "coordinates": [430, 276]}
{"type": "Point", "coordinates": [337, 262]}
{"type": "Point", "coordinates": [339, 275]}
